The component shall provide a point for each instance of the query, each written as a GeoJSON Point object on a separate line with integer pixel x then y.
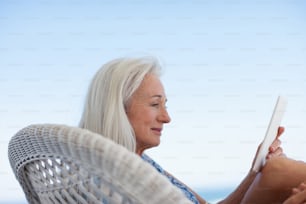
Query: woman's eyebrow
{"type": "Point", "coordinates": [159, 96]}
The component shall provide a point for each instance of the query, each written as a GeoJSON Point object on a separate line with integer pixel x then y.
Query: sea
{"type": "Point", "coordinates": [210, 195]}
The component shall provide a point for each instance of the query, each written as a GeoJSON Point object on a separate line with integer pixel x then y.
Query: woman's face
{"type": "Point", "coordinates": [147, 113]}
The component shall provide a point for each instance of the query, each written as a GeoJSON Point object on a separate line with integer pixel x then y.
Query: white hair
{"type": "Point", "coordinates": [109, 94]}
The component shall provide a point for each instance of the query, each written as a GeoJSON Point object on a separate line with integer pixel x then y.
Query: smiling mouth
{"type": "Point", "coordinates": [157, 130]}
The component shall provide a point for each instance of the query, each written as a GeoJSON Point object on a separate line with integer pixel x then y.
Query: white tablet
{"type": "Point", "coordinates": [271, 133]}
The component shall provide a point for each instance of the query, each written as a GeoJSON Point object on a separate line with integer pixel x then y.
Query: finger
{"type": "Point", "coordinates": [295, 191]}
{"type": "Point", "coordinates": [300, 197]}
{"type": "Point", "coordinates": [277, 153]}
{"type": "Point", "coordinates": [275, 145]}
{"type": "Point", "coordinates": [280, 131]}
{"type": "Point", "coordinates": [302, 186]}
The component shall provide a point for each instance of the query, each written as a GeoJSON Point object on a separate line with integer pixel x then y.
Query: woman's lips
{"type": "Point", "coordinates": [157, 130]}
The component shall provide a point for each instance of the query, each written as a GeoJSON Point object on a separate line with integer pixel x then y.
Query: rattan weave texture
{"type": "Point", "coordinates": [62, 164]}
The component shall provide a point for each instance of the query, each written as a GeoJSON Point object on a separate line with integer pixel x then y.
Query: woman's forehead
{"type": "Point", "coordinates": [151, 87]}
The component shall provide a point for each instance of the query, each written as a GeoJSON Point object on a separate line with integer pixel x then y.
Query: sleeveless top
{"type": "Point", "coordinates": [173, 180]}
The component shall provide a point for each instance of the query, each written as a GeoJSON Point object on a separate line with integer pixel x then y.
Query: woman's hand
{"type": "Point", "coordinates": [298, 195]}
{"type": "Point", "coordinates": [275, 149]}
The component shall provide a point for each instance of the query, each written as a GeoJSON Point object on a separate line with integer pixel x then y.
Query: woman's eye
{"type": "Point", "coordinates": [154, 104]}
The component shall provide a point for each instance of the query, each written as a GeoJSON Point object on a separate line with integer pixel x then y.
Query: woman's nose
{"type": "Point", "coordinates": [164, 116]}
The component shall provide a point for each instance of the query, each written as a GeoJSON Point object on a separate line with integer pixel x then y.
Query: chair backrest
{"type": "Point", "coordinates": [63, 164]}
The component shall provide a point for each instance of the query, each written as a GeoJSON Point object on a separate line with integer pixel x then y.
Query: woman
{"type": "Point", "coordinates": [126, 102]}
{"type": "Point", "coordinates": [298, 195]}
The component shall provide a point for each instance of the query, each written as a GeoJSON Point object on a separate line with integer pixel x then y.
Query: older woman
{"type": "Point", "coordinates": [126, 102]}
{"type": "Point", "coordinates": [298, 195]}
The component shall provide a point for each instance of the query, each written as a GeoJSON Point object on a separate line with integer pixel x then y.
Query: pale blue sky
{"type": "Point", "coordinates": [225, 62]}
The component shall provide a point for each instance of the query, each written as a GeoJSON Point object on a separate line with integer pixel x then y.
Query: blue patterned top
{"type": "Point", "coordinates": [173, 180]}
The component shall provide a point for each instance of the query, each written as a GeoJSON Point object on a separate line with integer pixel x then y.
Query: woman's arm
{"type": "Point", "coordinates": [274, 183]}
{"type": "Point", "coordinates": [238, 195]}
{"type": "Point", "coordinates": [233, 198]}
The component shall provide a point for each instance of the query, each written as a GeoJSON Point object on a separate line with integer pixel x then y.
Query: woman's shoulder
{"type": "Point", "coordinates": [148, 159]}
{"type": "Point", "coordinates": [189, 194]}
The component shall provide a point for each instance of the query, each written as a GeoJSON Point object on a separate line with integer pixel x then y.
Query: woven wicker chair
{"type": "Point", "coordinates": [62, 164]}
